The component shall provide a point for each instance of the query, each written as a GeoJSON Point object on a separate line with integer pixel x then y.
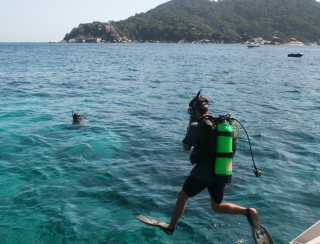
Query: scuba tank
{"type": "Point", "coordinates": [225, 149]}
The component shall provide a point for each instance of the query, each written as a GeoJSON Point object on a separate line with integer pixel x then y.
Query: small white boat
{"type": "Point", "coordinates": [251, 45]}
{"type": "Point", "coordinates": [310, 236]}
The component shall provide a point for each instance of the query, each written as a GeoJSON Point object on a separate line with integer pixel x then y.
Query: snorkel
{"type": "Point", "coordinates": [192, 108]}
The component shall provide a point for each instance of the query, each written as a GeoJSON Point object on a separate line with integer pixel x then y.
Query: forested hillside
{"type": "Point", "coordinates": [225, 21]}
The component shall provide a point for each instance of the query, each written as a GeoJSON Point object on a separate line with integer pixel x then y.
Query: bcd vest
{"type": "Point", "coordinates": [217, 146]}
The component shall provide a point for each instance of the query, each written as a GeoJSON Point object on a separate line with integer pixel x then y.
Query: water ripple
{"type": "Point", "coordinates": [65, 183]}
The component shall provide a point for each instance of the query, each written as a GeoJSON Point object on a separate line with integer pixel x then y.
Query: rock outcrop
{"type": "Point", "coordinates": [95, 32]}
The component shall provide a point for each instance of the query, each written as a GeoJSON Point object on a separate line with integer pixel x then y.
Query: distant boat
{"type": "Point", "coordinates": [297, 55]}
{"type": "Point", "coordinates": [310, 236]}
{"type": "Point", "coordinates": [253, 45]}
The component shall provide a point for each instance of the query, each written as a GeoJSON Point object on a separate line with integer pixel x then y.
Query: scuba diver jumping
{"type": "Point", "coordinates": [213, 148]}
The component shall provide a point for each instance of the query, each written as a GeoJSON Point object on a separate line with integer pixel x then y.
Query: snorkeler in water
{"type": "Point", "coordinates": [77, 118]}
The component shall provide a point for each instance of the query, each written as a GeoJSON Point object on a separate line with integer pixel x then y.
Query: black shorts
{"type": "Point", "coordinates": [192, 186]}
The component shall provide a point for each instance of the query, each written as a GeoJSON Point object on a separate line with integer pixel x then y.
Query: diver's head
{"type": "Point", "coordinates": [76, 117]}
{"type": "Point", "coordinates": [198, 107]}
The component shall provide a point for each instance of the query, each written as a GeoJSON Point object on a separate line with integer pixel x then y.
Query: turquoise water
{"type": "Point", "coordinates": [63, 183]}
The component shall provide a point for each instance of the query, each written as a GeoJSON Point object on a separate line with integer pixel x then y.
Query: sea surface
{"type": "Point", "coordinates": [65, 183]}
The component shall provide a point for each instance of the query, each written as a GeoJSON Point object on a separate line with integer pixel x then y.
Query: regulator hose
{"type": "Point", "coordinates": [257, 172]}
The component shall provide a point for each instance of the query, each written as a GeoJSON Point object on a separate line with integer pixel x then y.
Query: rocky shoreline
{"type": "Point", "coordinates": [123, 39]}
{"type": "Point", "coordinates": [106, 33]}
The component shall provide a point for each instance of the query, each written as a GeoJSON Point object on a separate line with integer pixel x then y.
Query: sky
{"type": "Point", "coordinates": [49, 21]}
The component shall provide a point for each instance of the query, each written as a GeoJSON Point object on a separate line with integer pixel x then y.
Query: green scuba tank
{"type": "Point", "coordinates": [224, 152]}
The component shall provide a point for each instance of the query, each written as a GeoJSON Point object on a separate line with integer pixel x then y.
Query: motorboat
{"type": "Point", "coordinates": [251, 45]}
{"type": "Point", "coordinates": [297, 55]}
